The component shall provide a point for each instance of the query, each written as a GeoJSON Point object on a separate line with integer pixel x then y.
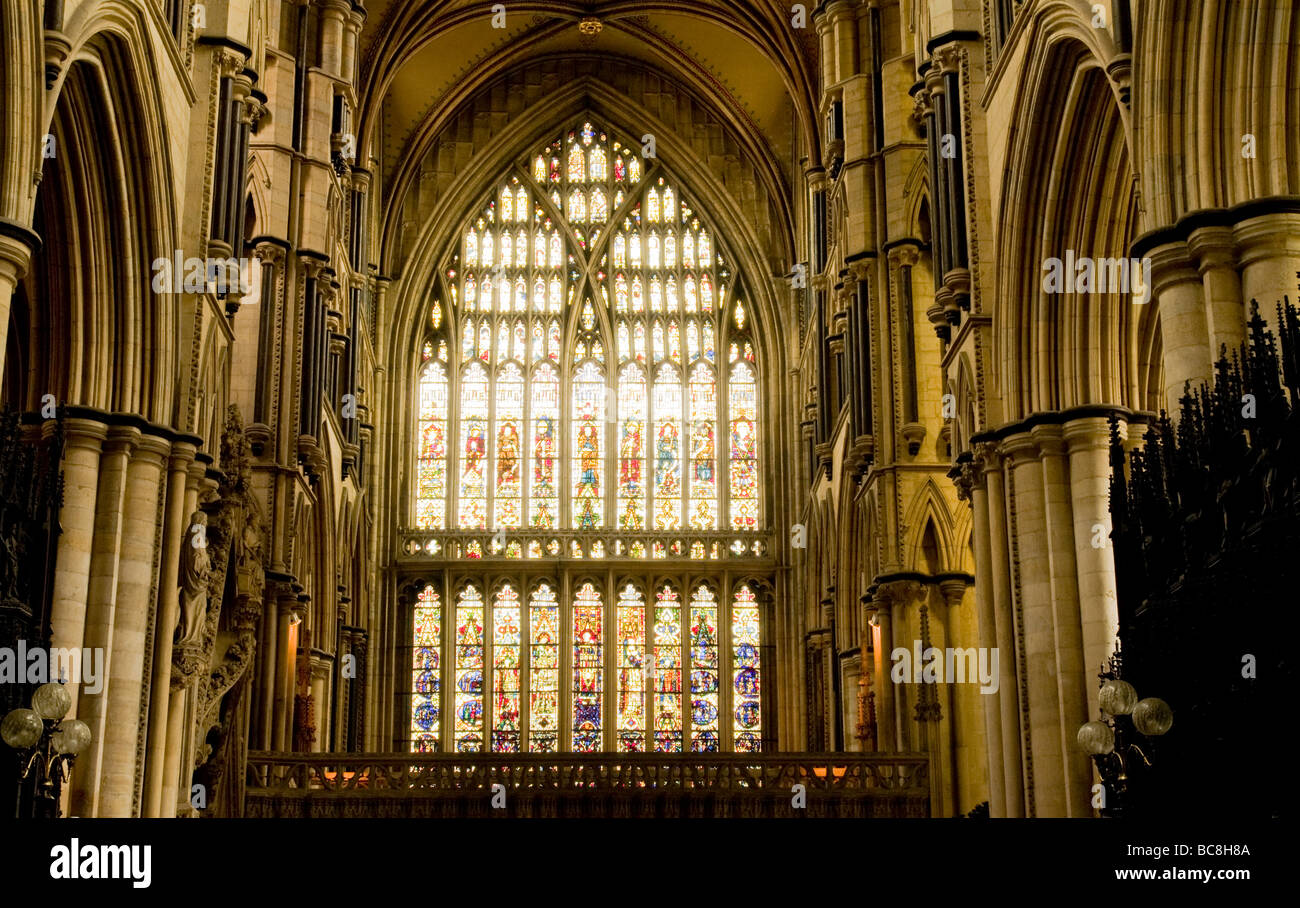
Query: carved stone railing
{"type": "Point", "coordinates": [416, 546]}
{"type": "Point", "coordinates": [598, 785]}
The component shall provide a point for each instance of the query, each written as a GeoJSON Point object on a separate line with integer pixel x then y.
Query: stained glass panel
{"type": "Point", "coordinates": [469, 672]}
{"type": "Point", "coordinates": [588, 446]}
{"type": "Point", "coordinates": [588, 669]}
{"type": "Point", "coordinates": [544, 671]}
{"type": "Point", "coordinates": [473, 447]}
{"type": "Point", "coordinates": [704, 671]}
{"type": "Point", "coordinates": [743, 447]}
{"type": "Point", "coordinates": [631, 671]}
{"type": "Point", "coordinates": [431, 471]}
{"type": "Point", "coordinates": [505, 670]}
{"type": "Point", "coordinates": [747, 722]}
{"type": "Point", "coordinates": [426, 672]}
{"type": "Point", "coordinates": [667, 449]}
{"type": "Point", "coordinates": [668, 672]}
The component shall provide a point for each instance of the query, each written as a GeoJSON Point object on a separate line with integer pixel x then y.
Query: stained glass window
{"type": "Point", "coordinates": [469, 671]}
{"type": "Point", "coordinates": [431, 476]}
{"type": "Point", "coordinates": [667, 672]}
{"type": "Point", "coordinates": [426, 672]}
{"type": "Point", "coordinates": [586, 387]}
{"type": "Point", "coordinates": [631, 670]}
{"type": "Point", "coordinates": [704, 671]}
{"type": "Point", "coordinates": [588, 669]}
{"type": "Point", "coordinates": [543, 671]}
{"type": "Point", "coordinates": [505, 670]}
{"type": "Point", "coordinates": [747, 723]}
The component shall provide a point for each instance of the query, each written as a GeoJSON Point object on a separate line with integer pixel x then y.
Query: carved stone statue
{"type": "Point", "coordinates": [195, 568]}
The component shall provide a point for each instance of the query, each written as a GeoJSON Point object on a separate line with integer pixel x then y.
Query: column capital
{"type": "Point", "coordinates": [79, 432]}
{"type": "Point", "coordinates": [17, 245]}
{"type": "Point", "coordinates": [1020, 447]}
{"type": "Point", "coordinates": [1049, 440]}
{"type": "Point", "coordinates": [1088, 432]}
{"type": "Point", "coordinates": [905, 253]}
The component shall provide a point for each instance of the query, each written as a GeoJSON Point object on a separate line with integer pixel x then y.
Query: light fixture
{"type": "Point", "coordinates": [1120, 740]}
{"type": "Point", "coordinates": [46, 742]}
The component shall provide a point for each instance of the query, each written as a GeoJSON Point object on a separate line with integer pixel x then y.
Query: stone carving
{"type": "Point", "coordinates": [196, 566]}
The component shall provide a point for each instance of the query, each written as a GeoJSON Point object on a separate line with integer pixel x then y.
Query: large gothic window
{"type": "Point", "coordinates": [588, 392]}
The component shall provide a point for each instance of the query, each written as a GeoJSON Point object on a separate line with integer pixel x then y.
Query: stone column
{"type": "Point", "coordinates": [16, 247]}
{"type": "Point", "coordinates": [886, 696]}
{"type": "Point", "coordinates": [1088, 441]}
{"type": "Point", "coordinates": [136, 582]}
{"type": "Point", "coordinates": [101, 601]}
{"type": "Point", "coordinates": [321, 668]}
{"type": "Point", "coordinates": [1221, 286]}
{"type": "Point", "coordinates": [988, 639]}
{"type": "Point", "coordinates": [176, 533]}
{"type": "Point", "coordinates": [1178, 291]}
{"type": "Point", "coordinates": [1269, 258]}
{"type": "Point", "coordinates": [852, 669]}
{"type": "Point", "coordinates": [1005, 629]}
{"type": "Point", "coordinates": [1035, 570]}
{"type": "Point", "coordinates": [1067, 626]}
{"type": "Point", "coordinates": [282, 721]}
{"type": "Point", "coordinates": [82, 446]}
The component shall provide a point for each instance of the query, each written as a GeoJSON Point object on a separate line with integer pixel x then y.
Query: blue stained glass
{"type": "Point", "coordinates": [747, 682]}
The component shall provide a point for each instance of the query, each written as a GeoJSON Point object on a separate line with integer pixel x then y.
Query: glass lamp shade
{"type": "Point", "coordinates": [1117, 698]}
{"type": "Point", "coordinates": [71, 738]}
{"type": "Point", "coordinates": [1153, 717]}
{"type": "Point", "coordinates": [21, 729]}
{"type": "Point", "coordinates": [1096, 738]}
{"type": "Point", "coordinates": [52, 700]}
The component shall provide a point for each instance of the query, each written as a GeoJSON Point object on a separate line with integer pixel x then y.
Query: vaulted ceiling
{"type": "Point", "coordinates": [742, 59]}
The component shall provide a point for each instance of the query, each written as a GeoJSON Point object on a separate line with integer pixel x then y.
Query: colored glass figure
{"type": "Point", "coordinates": [670, 250]}
{"type": "Point", "coordinates": [633, 170]}
{"type": "Point", "coordinates": [688, 288]}
{"type": "Point", "coordinates": [667, 451]}
{"type": "Point", "coordinates": [708, 341]}
{"type": "Point", "coordinates": [705, 736]}
{"type": "Point", "coordinates": [652, 206]}
{"type": "Point", "coordinates": [486, 249]}
{"type": "Point", "coordinates": [704, 250]}
{"type": "Point", "coordinates": [588, 669]}
{"type": "Point", "coordinates": [634, 250]}
{"type": "Point", "coordinates": [631, 462]}
{"type": "Point", "coordinates": [468, 719]}
{"type": "Point", "coordinates": [638, 300]}
{"type": "Point", "coordinates": [509, 417]}
{"type": "Point", "coordinates": [656, 295]}
{"type": "Point", "coordinates": [555, 250]}
{"type": "Point", "coordinates": [652, 251]}
{"type": "Point", "coordinates": [544, 497]}
{"type": "Point", "coordinates": [596, 164]}
{"type": "Point", "coordinates": [692, 341]}
{"type": "Point", "coordinates": [747, 721]}
{"type": "Point", "coordinates": [426, 668]}
{"type": "Point", "coordinates": [743, 448]}
{"type": "Point", "coordinates": [674, 342]}
{"type": "Point", "coordinates": [576, 164]}
{"type": "Point", "coordinates": [471, 293]}
{"type": "Point", "coordinates": [539, 250]}
{"type": "Point", "coordinates": [473, 445]}
{"type": "Point", "coordinates": [507, 248]}
{"type": "Point", "coordinates": [553, 342]}
{"type": "Point", "coordinates": [631, 643]}
{"type": "Point", "coordinates": [539, 169]}
{"type": "Point", "coordinates": [588, 415]}
{"type": "Point", "coordinates": [620, 252]}
{"type": "Point", "coordinates": [471, 247]}
{"type": "Point", "coordinates": [467, 343]}
{"type": "Point", "coordinates": [577, 206]}
{"type": "Point", "coordinates": [431, 482]}
{"type": "Point", "coordinates": [599, 209]}
{"type": "Point", "coordinates": [505, 671]}
{"type": "Point", "coordinates": [620, 293]}
{"type": "Point", "coordinates": [620, 170]}
{"type": "Point", "coordinates": [667, 688]}
{"type": "Point", "coordinates": [703, 491]}
{"type": "Point", "coordinates": [543, 671]}
{"type": "Point", "coordinates": [670, 294]}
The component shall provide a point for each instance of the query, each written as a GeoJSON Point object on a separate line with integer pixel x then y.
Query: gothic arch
{"type": "Point", "coordinates": [1063, 350]}
{"type": "Point", "coordinates": [928, 507]}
